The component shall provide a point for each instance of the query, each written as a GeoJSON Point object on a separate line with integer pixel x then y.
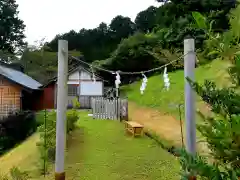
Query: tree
{"type": "Point", "coordinates": [40, 62]}
{"type": "Point", "coordinates": [146, 20]}
{"type": "Point", "coordinates": [122, 27]}
{"type": "Point", "coordinates": [11, 27]}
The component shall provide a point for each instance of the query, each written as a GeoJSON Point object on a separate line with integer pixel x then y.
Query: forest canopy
{"type": "Point", "coordinates": [154, 37]}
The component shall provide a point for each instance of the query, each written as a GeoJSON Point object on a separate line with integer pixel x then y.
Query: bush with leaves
{"type": "Point", "coordinates": [221, 132]}
{"type": "Point", "coordinates": [47, 144]}
{"type": "Point", "coordinates": [15, 128]}
{"type": "Point", "coordinates": [220, 45]}
{"type": "Point", "coordinates": [15, 174]}
{"type": "Point", "coordinates": [72, 117]}
{"type": "Point", "coordinates": [76, 103]}
{"type": "Point", "coordinates": [198, 165]}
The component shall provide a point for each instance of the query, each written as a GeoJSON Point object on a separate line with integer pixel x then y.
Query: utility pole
{"type": "Point", "coordinates": [189, 66]}
{"type": "Point", "coordinates": [61, 109]}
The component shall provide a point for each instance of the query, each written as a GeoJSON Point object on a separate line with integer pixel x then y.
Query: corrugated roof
{"type": "Point", "coordinates": [19, 77]}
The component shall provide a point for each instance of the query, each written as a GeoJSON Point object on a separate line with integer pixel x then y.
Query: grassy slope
{"type": "Point", "coordinates": [24, 156]}
{"type": "Point", "coordinates": [100, 150]}
{"type": "Point", "coordinates": [166, 101]}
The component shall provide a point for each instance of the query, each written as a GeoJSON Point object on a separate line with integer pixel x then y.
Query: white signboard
{"type": "Point", "coordinates": [91, 88]}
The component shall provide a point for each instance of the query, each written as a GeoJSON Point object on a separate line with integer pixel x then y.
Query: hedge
{"type": "Point", "coordinates": [16, 128]}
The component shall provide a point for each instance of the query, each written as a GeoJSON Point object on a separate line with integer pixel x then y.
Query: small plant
{"type": "Point", "coordinates": [72, 117]}
{"type": "Point", "coordinates": [16, 174]}
{"type": "Point", "coordinates": [47, 144]}
{"type": "Point", "coordinates": [76, 103]}
{"type": "Point", "coordinates": [198, 165]}
{"type": "Point", "coordinates": [47, 141]}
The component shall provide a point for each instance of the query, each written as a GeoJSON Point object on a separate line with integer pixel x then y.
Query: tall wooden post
{"type": "Point", "coordinates": [189, 66]}
{"type": "Point", "coordinates": [61, 109]}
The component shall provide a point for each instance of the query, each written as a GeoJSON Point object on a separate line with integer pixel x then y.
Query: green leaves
{"type": "Point", "coordinates": [234, 70]}
{"type": "Point", "coordinates": [220, 131]}
{"type": "Point", "coordinates": [200, 20]}
{"type": "Point", "coordinates": [11, 27]}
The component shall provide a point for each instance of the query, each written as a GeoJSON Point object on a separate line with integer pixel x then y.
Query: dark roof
{"type": "Point", "coordinates": [18, 77]}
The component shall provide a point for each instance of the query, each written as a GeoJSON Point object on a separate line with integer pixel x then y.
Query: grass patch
{"type": "Point", "coordinates": [24, 156]}
{"type": "Point", "coordinates": [167, 101]}
{"type": "Point", "coordinates": [109, 154]}
{"type": "Point", "coordinates": [99, 149]}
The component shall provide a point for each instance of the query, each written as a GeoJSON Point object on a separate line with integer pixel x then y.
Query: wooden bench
{"type": "Point", "coordinates": [134, 128]}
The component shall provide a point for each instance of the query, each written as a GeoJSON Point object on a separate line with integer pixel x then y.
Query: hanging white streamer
{"type": "Point", "coordinates": [144, 84]}
{"type": "Point", "coordinates": [118, 80]}
{"type": "Point", "coordinates": [166, 79]}
{"type": "Point", "coordinates": [93, 75]}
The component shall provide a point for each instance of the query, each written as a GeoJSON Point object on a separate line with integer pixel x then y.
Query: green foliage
{"type": "Point", "coordinates": [41, 57]}
{"type": "Point", "coordinates": [47, 144]}
{"type": "Point", "coordinates": [223, 45]}
{"type": "Point", "coordinates": [121, 45]}
{"type": "Point", "coordinates": [47, 141]}
{"type": "Point", "coordinates": [146, 20]}
{"type": "Point", "coordinates": [224, 101]}
{"type": "Point", "coordinates": [76, 103]}
{"type": "Point", "coordinates": [200, 20]}
{"type": "Point", "coordinates": [234, 71]}
{"type": "Point", "coordinates": [132, 53]}
{"type": "Point", "coordinates": [16, 174]}
{"type": "Point", "coordinates": [235, 22]}
{"type": "Point", "coordinates": [220, 131]}
{"type": "Point", "coordinates": [197, 165]}
{"type": "Point", "coordinates": [11, 27]}
{"type": "Point", "coordinates": [176, 16]}
{"type": "Point", "coordinates": [16, 128]}
{"type": "Point", "coordinates": [72, 117]}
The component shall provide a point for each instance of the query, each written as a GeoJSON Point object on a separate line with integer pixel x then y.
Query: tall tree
{"type": "Point", "coordinates": [122, 27]}
{"type": "Point", "coordinates": [11, 27]}
{"type": "Point", "coordinates": [146, 20]}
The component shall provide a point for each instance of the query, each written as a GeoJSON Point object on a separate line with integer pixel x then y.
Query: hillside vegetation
{"type": "Point", "coordinates": [155, 96]}
{"type": "Point", "coordinates": [152, 39]}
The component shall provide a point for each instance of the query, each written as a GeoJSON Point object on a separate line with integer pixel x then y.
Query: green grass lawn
{"type": "Point", "coordinates": [107, 153]}
{"type": "Point", "coordinates": [100, 149]}
{"type": "Point", "coordinates": [166, 101]}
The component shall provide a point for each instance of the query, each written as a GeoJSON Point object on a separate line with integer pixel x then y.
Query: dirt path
{"type": "Point", "coordinates": [164, 125]}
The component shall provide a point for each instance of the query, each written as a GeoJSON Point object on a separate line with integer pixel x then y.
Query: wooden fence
{"type": "Point", "coordinates": [85, 101]}
{"type": "Point", "coordinates": [103, 108]}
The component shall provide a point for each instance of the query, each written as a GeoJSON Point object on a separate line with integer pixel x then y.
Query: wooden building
{"type": "Point", "coordinates": [18, 91]}
{"type": "Point", "coordinates": [81, 85]}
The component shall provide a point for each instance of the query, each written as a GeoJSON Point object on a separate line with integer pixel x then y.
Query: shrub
{"type": "Point", "coordinates": [40, 116]}
{"type": "Point", "coordinates": [221, 133]}
{"type": "Point", "coordinates": [15, 128]}
{"type": "Point", "coordinates": [47, 140]}
{"type": "Point", "coordinates": [72, 117]}
{"type": "Point", "coordinates": [16, 174]}
{"type": "Point", "coordinates": [76, 103]}
{"type": "Point", "coordinates": [47, 131]}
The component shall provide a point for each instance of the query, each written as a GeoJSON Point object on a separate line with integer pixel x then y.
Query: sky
{"type": "Point", "coordinates": [47, 18]}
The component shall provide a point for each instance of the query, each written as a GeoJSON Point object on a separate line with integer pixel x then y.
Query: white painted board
{"type": "Point", "coordinates": [91, 88]}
